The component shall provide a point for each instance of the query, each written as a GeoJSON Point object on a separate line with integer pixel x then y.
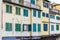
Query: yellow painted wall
{"type": "Point", "coordinates": [57, 7]}
{"type": "Point", "coordinates": [45, 19]}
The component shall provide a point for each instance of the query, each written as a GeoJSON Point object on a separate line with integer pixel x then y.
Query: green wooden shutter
{"type": "Point", "coordinates": [8, 26]}
{"type": "Point", "coordinates": [10, 9]}
{"type": "Point", "coordinates": [57, 27]}
{"type": "Point", "coordinates": [17, 27]}
{"type": "Point", "coordinates": [7, 8]}
{"type": "Point", "coordinates": [17, 11]}
{"type": "Point", "coordinates": [29, 28]}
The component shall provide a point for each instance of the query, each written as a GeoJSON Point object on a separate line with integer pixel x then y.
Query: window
{"type": "Point", "coordinates": [52, 16]}
{"type": "Point", "coordinates": [29, 28]}
{"type": "Point", "coordinates": [34, 13]}
{"type": "Point", "coordinates": [34, 27]}
{"type": "Point", "coordinates": [25, 27]}
{"type": "Point", "coordinates": [8, 26]}
{"type": "Point", "coordinates": [45, 27]}
{"type": "Point", "coordinates": [8, 9]}
{"type": "Point", "coordinates": [45, 5]}
{"type": "Point", "coordinates": [25, 12]}
{"type": "Point", "coordinates": [43, 14]}
{"type": "Point", "coordinates": [17, 27]}
{"type": "Point", "coordinates": [57, 17]}
{"type": "Point", "coordinates": [47, 15]}
{"type": "Point", "coordinates": [57, 27]}
{"type": "Point", "coordinates": [39, 27]}
{"type": "Point", "coordinates": [20, 1]}
{"type": "Point", "coordinates": [39, 14]}
{"type": "Point", "coordinates": [32, 1]}
{"type": "Point", "coordinates": [17, 11]}
{"type": "Point", "coordinates": [52, 27]}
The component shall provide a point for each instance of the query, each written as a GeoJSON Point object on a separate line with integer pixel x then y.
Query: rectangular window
{"type": "Point", "coordinates": [8, 9]}
{"type": "Point", "coordinates": [33, 2]}
{"type": "Point", "coordinates": [57, 17]}
{"type": "Point", "coordinates": [34, 27]}
{"type": "Point", "coordinates": [25, 13]}
{"type": "Point", "coordinates": [47, 15]}
{"type": "Point", "coordinates": [8, 26]}
{"type": "Point", "coordinates": [25, 27]}
{"type": "Point", "coordinates": [57, 27]}
{"type": "Point", "coordinates": [52, 27]}
{"type": "Point", "coordinates": [45, 4]}
{"type": "Point", "coordinates": [52, 16]}
{"type": "Point", "coordinates": [20, 1]}
{"type": "Point", "coordinates": [34, 13]}
{"type": "Point", "coordinates": [39, 27]}
{"type": "Point", "coordinates": [17, 11]}
{"type": "Point", "coordinates": [39, 14]}
{"type": "Point", "coordinates": [29, 27]}
{"type": "Point", "coordinates": [43, 14]}
{"type": "Point", "coordinates": [45, 27]}
{"type": "Point", "coordinates": [17, 27]}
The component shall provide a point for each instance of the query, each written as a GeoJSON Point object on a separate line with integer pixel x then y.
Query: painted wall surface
{"type": "Point", "coordinates": [45, 19]}
{"type": "Point", "coordinates": [13, 18]}
{"type": "Point", "coordinates": [37, 21]}
{"type": "Point", "coordinates": [0, 19]}
{"type": "Point", "coordinates": [57, 7]}
{"type": "Point", "coordinates": [54, 22]}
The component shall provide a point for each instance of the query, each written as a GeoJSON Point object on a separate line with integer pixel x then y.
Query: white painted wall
{"type": "Point", "coordinates": [13, 18]}
{"type": "Point", "coordinates": [37, 21]}
{"type": "Point", "coordinates": [54, 21]}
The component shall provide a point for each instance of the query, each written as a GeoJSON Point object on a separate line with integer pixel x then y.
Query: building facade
{"type": "Point", "coordinates": [28, 19]}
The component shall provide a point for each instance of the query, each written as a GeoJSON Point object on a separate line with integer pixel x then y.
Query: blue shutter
{"type": "Point", "coordinates": [39, 14]}
{"type": "Point", "coordinates": [34, 27]}
{"type": "Point", "coordinates": [25, 13]}
{"type": "Point", "coordinates": [43, 14]}
{"type": "Point", "coordinates": [52, 27]}
{"type": "Point", "coordinates": [34, 13]}
{"type": "Point", "coordinates": [33, 2]}
{"type": "Point", "coordinates": [45, 27]}
{"type": "Point", "coordinates": [47, 15]}
{"type": "Point", "coordinates": [39, 27]}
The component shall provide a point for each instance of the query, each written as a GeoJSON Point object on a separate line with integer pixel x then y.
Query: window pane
{"type": "Point", "coordinates": [34, 27]}
{"type": "Point", "coordinates": [17, 27]}
{"type": "Point", "coordinates": [45, 27]}
{"type": "Point", "coordinates": [25, 27]}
